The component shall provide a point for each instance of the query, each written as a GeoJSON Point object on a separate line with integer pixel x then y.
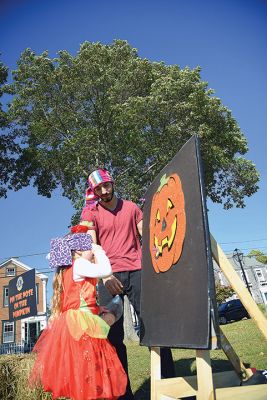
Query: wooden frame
{"type": "Point", "coordinates": [205, 385]}
{"type": "Point", "coordinates": [238, 286]}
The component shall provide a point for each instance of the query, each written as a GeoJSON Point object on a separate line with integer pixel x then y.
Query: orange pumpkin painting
{"type": "Point", "coordinates": [167, 223]}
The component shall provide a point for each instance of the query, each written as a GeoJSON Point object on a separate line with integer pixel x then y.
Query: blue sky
{"type": "Point", "coordinates": [227, 39]}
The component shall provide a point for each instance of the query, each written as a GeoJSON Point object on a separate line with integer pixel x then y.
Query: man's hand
{"type": "Point", "coordinates": [113, 285]}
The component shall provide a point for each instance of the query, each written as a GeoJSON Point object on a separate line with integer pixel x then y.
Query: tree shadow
{"type": "Point", "coordinates": [183, 367]}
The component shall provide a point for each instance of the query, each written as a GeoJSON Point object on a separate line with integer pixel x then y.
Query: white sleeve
{"type": "Point", "coordinates": [83, 268]}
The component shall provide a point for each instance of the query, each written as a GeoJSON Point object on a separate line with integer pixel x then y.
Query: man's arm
{"type": "Point", "coordinates": [91, 232]}
{"type": "Point", "coordinates": [93, 235]}
{"type": "Point", "coordinates": [140, 227]}
{"type": "Point", "coordinates": [90, 225]}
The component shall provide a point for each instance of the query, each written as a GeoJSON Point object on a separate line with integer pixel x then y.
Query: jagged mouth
{"type": "Point", "coordinates": [166, 242]}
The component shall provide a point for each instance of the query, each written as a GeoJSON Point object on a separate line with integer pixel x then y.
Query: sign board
{"type": "Point", "coordinates": [178, 306]}
{"type": "Point", "coordinates": [22, 296]}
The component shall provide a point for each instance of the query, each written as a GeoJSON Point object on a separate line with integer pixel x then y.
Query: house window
{"type": "Point", "coordinates": [5, 291]}
{"type": "Point", "coordinates": [260, 276]}
{"type": "Point", "coordinates": [10, 271]}
{"type": "Point", "coordinates": [8, 332]}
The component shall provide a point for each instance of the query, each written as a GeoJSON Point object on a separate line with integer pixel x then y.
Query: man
{"type": "Point", "coordinates": [116, 225]}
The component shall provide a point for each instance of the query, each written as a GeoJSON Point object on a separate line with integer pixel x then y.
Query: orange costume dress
{"type": "Point", "coordinates": [74, 357]}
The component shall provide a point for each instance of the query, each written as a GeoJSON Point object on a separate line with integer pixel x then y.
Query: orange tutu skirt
{"type": "Point", "coordinates": [72, 364]}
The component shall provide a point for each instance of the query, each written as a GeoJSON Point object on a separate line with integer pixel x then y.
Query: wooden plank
{"type": "Point", "coordinates": [223, 391]}
{"type": "Point", "coordinates": [239, 367]}
{"type": "Point", "coordinates": [177, 387]}
{"type": "Point", "coordinates": [255, 392]}
{"type": "Point", "coordinates": [186, 386]}
{"type": "Point", "coordinates": [205, 389]}
{"type": "Point", "coordinates": [155, 370]}
{"type": "Point", "coordinates": [238, 286]}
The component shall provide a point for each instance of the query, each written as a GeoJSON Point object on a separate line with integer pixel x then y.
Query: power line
{"type": "Point", "coordinates": [244, 241]}
{"type": "Point", "coordinates": [220, 243]}
{"type": "Point", "coordinates": [25, 255]}
{"type": "Point", "coordinates": [248, 248]}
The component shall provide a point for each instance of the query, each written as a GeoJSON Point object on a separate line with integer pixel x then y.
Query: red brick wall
{"type": "Point", "coordinates": [4, 313]}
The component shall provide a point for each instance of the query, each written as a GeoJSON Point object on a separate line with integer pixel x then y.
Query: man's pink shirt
{"type": "Point", "coordinates": [117, 233]}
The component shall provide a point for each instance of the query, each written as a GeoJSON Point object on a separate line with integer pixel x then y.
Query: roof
{"type": "Point", "coordinates": [23, 266]}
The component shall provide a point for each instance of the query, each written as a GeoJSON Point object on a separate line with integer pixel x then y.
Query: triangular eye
{"type": "Point", "coordinates": [158, 216]}
{"type": "Point", "coordinates": [169, 204]}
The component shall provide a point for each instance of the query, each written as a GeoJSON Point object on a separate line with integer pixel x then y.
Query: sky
{"type": "Point", "coordinates": [226, 38]}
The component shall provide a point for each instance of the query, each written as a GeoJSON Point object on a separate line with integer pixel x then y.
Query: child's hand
{"type": "Point", "coordinates": [96, 247]}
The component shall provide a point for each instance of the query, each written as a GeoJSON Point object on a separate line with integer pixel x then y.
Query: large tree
{"type": "Point", "coordinates": [106, 106]}
{"type": "Point", "coordinates": [8, 148]}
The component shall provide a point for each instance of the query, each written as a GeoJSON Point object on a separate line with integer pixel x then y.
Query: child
{"type": "Point", "coordinates": [74, 357]}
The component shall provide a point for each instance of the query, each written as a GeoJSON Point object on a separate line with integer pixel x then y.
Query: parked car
{"type": "Point", "coordinates": [232, 310]}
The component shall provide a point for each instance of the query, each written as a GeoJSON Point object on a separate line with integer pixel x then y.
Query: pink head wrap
{"type": "Point", "coordinates": [99, 176]}
{"type": "Point", "coordinates": [96, 178]}
{"type": "Point", "coordinates": [91, 199]}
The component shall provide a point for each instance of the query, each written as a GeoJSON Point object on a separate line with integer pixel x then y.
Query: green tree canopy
{"type": "Point", "coordinates": [8, 148]}
{"type": "Point", "coordinates": [259, 255]}
{"type": "Point", "coordinates": [106, 106]}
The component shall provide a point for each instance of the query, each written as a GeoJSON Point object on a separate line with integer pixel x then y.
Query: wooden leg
{"type": "Point", "coordinates": [205, 389]}
{"type": "Point", "coordinates": [155, 371]}
{"type": "Point", "coordinates": [239, 367]}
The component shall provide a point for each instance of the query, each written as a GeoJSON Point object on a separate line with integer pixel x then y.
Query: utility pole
{"type": "Point", "coordinates": [238, 256]}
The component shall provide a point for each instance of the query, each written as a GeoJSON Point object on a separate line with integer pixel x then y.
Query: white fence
{"type": "Point", "coordinates": [16, 348]}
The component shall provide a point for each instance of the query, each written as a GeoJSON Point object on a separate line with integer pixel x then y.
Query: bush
{"type": "Point", "coordinates": [223, 293]}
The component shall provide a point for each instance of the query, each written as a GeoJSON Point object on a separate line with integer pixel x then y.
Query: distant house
{"type": "Point", "coordinates": [256, 274]}
{"type": "Point", "coordinates": [25, 330]}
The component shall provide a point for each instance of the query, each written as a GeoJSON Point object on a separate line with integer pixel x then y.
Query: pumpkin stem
{"type": "Point", "coordinates": [163, 181]}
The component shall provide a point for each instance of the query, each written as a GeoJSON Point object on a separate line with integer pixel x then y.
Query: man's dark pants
{"type": "Point", "coordinates": [131, 281]}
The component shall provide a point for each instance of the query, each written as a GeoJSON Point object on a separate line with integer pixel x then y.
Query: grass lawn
{"type": "Point", "coordinates": [244, 336]}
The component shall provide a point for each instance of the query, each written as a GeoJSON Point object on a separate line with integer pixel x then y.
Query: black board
{"type": "Point", "coordinates": [178, 306]}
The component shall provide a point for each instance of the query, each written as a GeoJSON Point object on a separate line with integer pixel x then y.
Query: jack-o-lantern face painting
{"type": "Point", "coordinates": [167, 223]}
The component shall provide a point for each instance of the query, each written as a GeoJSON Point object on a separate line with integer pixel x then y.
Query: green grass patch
{"type": "Point", "coordinates": [245, 337]}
